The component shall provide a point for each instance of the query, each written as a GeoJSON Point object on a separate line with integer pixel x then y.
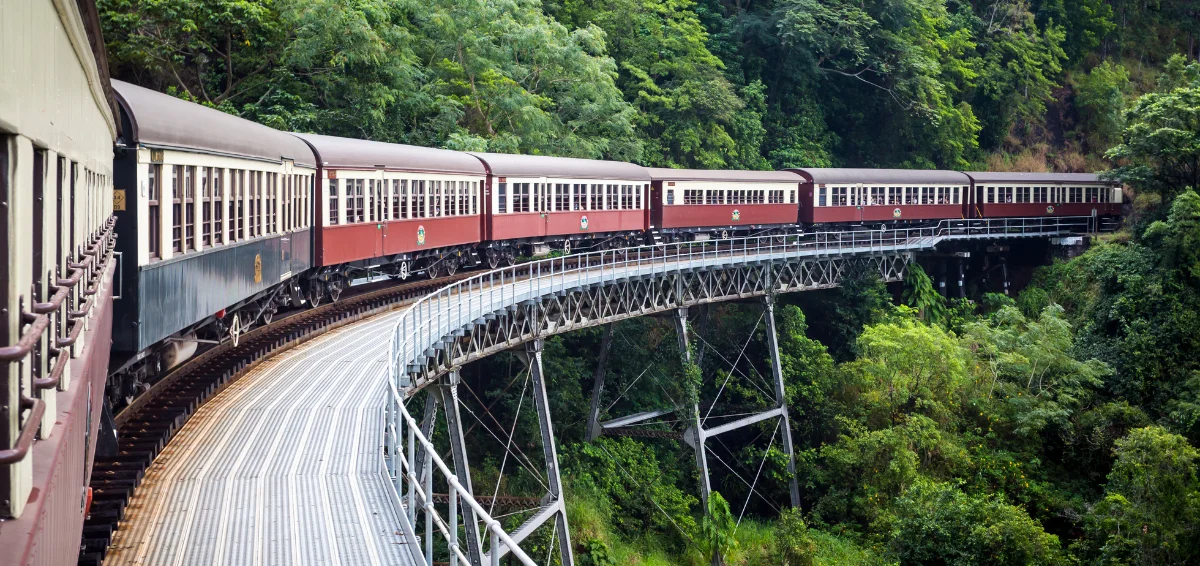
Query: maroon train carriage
{"type": "Point", "coordinates": [881, 196]}
{"type": "Point", "coordinates": [696, 204]}
{"type": "Point", "coordinates": [536, 202]}
{"type": "Point", "coordinates": [395, 208]}
{"type": "Point", "coordinates": [1025, 195]}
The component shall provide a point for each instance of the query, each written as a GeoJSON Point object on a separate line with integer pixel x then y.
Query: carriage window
{"type": "Point", "coordinates": [710, 196]}
{"type": "Point", "coordinates": [637, 195]}
{"type": "Point", "coordinates": [154, 189]}
{"type": "Point", "coordinates": [418, 199]}
{"type": "Point", "coordinates": [218, 185]}
{"type": "Point", "coordinates": [562, 196]}
{"type": "Point", "coordinates": [578, 196]}
{"type": "Point", "coordinates": [502, 198]}
{"type": "Point", "coordinates": [189, 211]}
{"type": "Point", "coordinates": [205, 207]}
{"type": "Point", "coordinates": [395, 195]}
{"type": "Point", "coordinates": [520, 197]}
{"type": "Point", "coordinates": [176, 208]}
{"type": "Point", "coordinates": [821, 197]}
{"type": "Point", "coordinates": [670, 196]}
{"type": "Point", "coordinates": [333, 202]}
{"type": "Point", "coordinates": [237, 191]}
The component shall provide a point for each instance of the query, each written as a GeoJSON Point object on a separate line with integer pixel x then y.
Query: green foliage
{"type": "Point", "coordinates": [1100, 100]}
{"type": "Point", "coordinates": [1150, 512]}
{"type": "Point", "coordinates": [936, 523]}
{"type": "Point", "coordinates": [718, 526]}
{"type": "Point", "coordinates": [1160, 147]}
{"type": "Point", "coordinates": [642, 492]}
{"type": "Point", "coordinates": [908, 368]}
{"type": "Point", "coordinates": [793, 545]}
{"type": "Point", "coordinates": [920, 294]}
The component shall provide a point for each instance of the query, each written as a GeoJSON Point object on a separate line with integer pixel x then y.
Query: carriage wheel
{"type": "Point", "coordinates": [316, 292]}
{"type": "Point", "coordinates": [268, 314]}
{"type": "Point", "coordinates": [567, 247]}
{"type": "Point", "coordinates": [432, 270]}
{"type": "Point", "coordinates": [493, 259]}
{"type": "Point", "coordinates": [335, 290]}
{"type": "Point", "coordinates": [451, 266]}
{"type": "Point", "coordinates": [403, 270]}
{"type": "Point", "coordinates": [510, 259]}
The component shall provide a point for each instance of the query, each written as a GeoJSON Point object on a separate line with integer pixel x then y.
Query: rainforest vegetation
{"type": "Point", "coordinates": [1059, 425]}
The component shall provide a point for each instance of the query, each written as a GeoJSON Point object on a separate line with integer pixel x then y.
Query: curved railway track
{"type": "Point", "coordinates": [148, 423]}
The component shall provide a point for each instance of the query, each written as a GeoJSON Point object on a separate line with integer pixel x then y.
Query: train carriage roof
{"type": "Point", "coordinates": [882, 176]}
{"type": "Point", "coordinates": [719, 175]}
{"type": "Point", "coordinates": [511, 165]}
{"type": "Point", "coordinates": [161, 120]}
{"type": "Point", "coordinates": [1019, 177]}
{"type": "Point", "coordinates": [334, 153]}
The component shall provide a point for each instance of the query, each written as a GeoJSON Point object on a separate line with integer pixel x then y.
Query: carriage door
{"type": "Point", "coordinates": [284, 190]}
{"type": "Point", "coordinates": [860, 201]}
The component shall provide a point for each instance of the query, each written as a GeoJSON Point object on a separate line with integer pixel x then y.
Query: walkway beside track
{"type": "Point", "coordinates": [282, 467]}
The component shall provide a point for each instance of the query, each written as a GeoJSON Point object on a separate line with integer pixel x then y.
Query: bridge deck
{"type": "Point", "coordinates": [283, 467]}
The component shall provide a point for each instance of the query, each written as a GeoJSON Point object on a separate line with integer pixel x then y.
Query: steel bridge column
{"type": "Point", "coordinates": [696, 430]}
{"type": "Point", "coordinates": [448, 391]}
{"type": "Point", "coordinates": [593, 424]}
{"type": "Point", "coordinates": [781, 400]}
{"type": "Point", "coordinates": [431, 403]}
{"type": "Point", "coordinates": [534, 352]}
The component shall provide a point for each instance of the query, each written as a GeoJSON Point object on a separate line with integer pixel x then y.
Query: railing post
{"type": "Point", "coordinates": [453, 523]}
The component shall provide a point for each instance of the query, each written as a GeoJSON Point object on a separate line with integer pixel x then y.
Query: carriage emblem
{"type": "Point", "coordinates": [583, 222]}
{"type": "Point", "coordinates": [1050, 209]}
{"type": "Point", "coordinates": [421, 235]}
{"type": "Point", "coordinates": [896, 212]}
{"type": "Point", "coordinates": [258, 268]}
{"type": "Point", "coordinates": [736, 214]}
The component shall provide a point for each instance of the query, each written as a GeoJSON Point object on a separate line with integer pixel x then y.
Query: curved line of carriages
{"type": "Point", "coordinates": [372, 209]}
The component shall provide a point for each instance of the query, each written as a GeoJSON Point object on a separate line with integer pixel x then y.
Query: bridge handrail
{"type": "Point", "coordinates": [421, 326]}
{"type": "Point", "coordinates": [405, 469]}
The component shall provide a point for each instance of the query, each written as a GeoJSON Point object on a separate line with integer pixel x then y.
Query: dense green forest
{"type": "Point", "coordinates": [1057, 426]}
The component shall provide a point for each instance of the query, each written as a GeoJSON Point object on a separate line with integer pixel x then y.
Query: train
{"type": "Point", "coordinates": [163, 227]}
{"type": "Point", "coordinates": [228, 221]}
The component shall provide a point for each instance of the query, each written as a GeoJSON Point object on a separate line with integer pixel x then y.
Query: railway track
{"type": "Point", "coordinates": [148, 423]}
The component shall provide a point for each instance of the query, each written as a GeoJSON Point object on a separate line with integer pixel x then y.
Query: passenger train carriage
{"type": "Point", "coordinates": [693, 204]}
{"type": "Point", "coordinates": [538, 201]}
{"type": "Point", "coordinates": [881, 196]}
{"type": "Point", "coordinates": [218, 214]}
{"type": "Point", "coordinates": [999, 195]}
{"type": "Point", "coordinates": [395, 207]}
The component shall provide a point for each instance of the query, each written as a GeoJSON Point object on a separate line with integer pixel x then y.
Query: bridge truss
{"type": "Point", "coordinates": [517, 307]}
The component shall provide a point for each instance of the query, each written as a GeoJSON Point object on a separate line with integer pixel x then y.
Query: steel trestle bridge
{"type": "Point", "coordinates": [515, 308]}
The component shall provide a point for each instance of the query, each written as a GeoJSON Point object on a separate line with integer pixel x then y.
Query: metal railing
{"type": "Point", "coordinates": [401, 468]}
{"type": "Point", "coordinates": [438, 316]}
{"type": "Point", "coordinates": [66, 293]}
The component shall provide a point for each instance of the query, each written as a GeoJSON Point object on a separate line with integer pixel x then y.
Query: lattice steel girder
{"type": "Point", "coordinates": [592, 305]}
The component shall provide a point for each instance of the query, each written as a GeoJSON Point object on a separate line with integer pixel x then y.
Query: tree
{"type": "Point", "coordinates": [1160, 147]}
{"type": "Point", "coordinates": [1100, 100]}
{"type": "Point", "coordinates": [908, 367]}
{"type": "Point", "coordinates": [1150, 513]}
{"type": "Point", "coordinates": [936, 523]}
{"type": "Point", "coordinates": [689, 114]}
{"type": "Point", "coordinates": [920, 294]}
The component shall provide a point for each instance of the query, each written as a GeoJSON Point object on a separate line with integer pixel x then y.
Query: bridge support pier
{"type": "Point", "coordinates": [593, 423]}
{"type": "Point", "coordinates": [781, 400]}
{"type": "Point", "coordinates": [555, 506]}
{"type": "Point", "coordinates": [694, 435]}
{"type": "Point", "coordinates": [447, 391]}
